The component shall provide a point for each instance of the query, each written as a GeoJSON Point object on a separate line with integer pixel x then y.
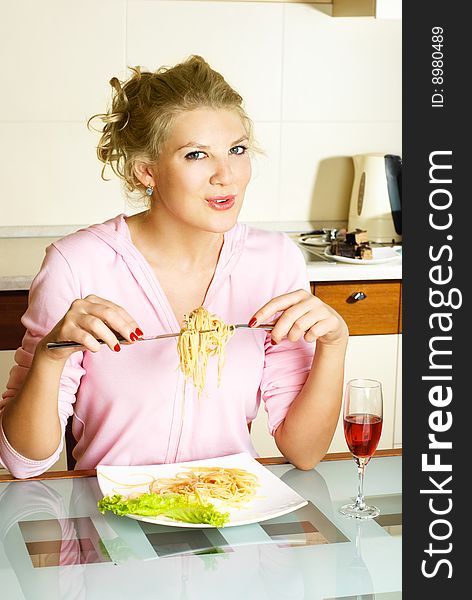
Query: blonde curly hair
{"type": "Point", "coordinates": [144, 108]}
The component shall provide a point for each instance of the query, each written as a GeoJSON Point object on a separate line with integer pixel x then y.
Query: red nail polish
{"type": "Point", "coordinates": [133, 337]}
{"type": "Point", "coordinates": [117, 348]}
{"type": "Point", "coordinates": [273, 342]}
{"type": "Point", "coordinates": [138, 331]}
{"type": "Point", "coordinates": [252, 322]}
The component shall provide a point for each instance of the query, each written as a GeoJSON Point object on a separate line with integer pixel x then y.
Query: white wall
{"type": "Point", "coordinates": [319, 89]}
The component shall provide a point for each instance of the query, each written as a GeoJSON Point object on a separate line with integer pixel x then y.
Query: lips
{"type": "Point", "coordinates": [221, 202]}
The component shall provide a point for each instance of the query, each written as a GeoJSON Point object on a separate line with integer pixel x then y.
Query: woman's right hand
{"type": "Point", "coordinates": [87, 320]}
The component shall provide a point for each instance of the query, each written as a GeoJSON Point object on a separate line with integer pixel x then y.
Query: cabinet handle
{"type": "Point", "coordinates": [355, 297]}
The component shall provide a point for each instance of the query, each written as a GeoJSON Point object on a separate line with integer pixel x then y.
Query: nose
{"type": "Point", "coordinates": [222, 172]}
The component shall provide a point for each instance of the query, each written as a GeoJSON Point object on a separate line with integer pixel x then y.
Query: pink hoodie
{"type": "Point", "coordinates": [132, 407]}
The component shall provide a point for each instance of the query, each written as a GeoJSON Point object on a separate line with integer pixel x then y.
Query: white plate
{"type": "Point", "coordinates": [379, 256]}
{"type": "Point", "coordinates": [273, 498]}
{"type": "Point", "coordinates": [313, 241]}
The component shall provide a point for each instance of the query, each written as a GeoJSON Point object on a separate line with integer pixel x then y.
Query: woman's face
{"type": "Point", "coordinates": [203, 170]}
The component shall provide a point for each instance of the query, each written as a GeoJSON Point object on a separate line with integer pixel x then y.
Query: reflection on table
{"type": "Point", "coordinates": [55, 544]}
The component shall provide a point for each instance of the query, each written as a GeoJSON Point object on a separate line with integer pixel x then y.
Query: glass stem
{"type": "Point", "coordinates": [360, 504]}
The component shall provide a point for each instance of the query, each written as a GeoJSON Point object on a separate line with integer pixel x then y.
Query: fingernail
{"type": "Point", "coordinates": [117, 348]}
{"type": "Point", "coordinates": [273, 342]}
{"type": "Point", "coordinates": [252, 322]}
{"type": "Point", "coordinates": [138, 331]}
{"type": "Point", "coordinates": [133, 337]}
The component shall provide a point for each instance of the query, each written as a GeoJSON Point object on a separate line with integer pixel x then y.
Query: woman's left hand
{"type": "Point", "coordinates": [303, 315]}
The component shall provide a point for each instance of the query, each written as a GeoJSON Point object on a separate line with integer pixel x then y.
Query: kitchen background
{"type": "Point", "coordinates": [320, 88]}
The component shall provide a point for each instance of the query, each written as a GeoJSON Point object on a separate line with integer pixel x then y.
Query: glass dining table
{"type": "Point", "coordinates": [55, 544]}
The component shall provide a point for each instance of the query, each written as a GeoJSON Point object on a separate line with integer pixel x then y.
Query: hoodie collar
{"type": "Point", "coordinates": [115, 233]}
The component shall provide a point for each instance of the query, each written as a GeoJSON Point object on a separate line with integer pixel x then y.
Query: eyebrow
{"type": "Point", "coordinates": [203, 147]}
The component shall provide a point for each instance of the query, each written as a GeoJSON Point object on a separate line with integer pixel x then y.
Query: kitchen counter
{"type": "Point", "coordinates": [21, 258]}
{"type": "Point", "coordinates": [323, 271]}
{"type": "Point", "coordinates": [320, 269]}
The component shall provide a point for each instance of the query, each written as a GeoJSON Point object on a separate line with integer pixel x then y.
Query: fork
{"type": "Point", "coordinates": [123, 342]}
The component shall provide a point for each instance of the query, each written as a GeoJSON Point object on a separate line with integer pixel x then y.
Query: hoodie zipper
{"type": "Point", "coordinates": [181, 400]}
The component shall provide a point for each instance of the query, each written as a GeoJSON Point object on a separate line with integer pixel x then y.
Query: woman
{"type": "Point", "coordinates": [181, 138]}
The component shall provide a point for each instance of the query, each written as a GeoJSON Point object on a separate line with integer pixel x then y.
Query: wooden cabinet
{"type": "Point", "coordinates": [12, 306]}
{"type": "Point", "coordinates": [368, 307]}
{"type": "Point", "coordinates": [372, 311]}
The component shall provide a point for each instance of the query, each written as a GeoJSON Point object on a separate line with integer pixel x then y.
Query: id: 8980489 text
{"type": "Point", "coordinates": [437, 67]}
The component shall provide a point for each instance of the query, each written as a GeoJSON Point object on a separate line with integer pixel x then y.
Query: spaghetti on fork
{"type": "Point", "coordinates": [195, 347]}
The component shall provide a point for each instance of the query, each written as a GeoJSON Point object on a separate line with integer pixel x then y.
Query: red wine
{"type": "Point", "coordinates": [362, 433]}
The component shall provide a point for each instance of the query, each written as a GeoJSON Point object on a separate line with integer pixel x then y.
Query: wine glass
{"type": "Point", "coordinates": [362, 413]}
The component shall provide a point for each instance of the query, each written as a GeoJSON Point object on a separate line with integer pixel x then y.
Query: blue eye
{"type": "Point", "coordinates": [238, 150]}
{"type": "Point", "coordinates": [195, 155]}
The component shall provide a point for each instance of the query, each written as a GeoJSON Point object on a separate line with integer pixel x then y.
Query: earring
{"type": "Point", "coordinates": [149, 190]}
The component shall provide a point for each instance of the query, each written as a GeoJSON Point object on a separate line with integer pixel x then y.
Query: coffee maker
{"type": "Point", "coordinates": [376, 197]}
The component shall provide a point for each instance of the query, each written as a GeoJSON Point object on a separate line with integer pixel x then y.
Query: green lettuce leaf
{"type": "Point", "coordinates": [174, 506]}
